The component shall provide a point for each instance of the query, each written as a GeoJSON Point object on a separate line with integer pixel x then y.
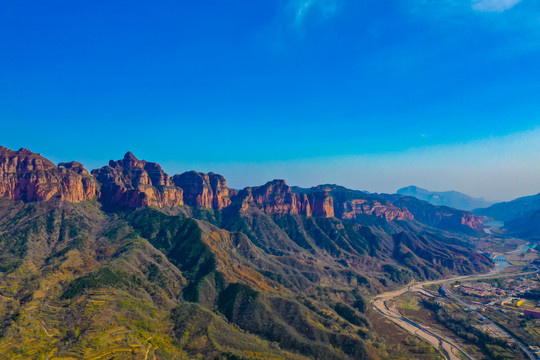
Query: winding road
{"type": "Point", "coordinates": [446, 346]}
{"type": "Point", "coordinates": [449, 349]}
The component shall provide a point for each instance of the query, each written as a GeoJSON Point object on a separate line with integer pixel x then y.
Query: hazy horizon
{"type": "Point", "coordinates": [492, 168]}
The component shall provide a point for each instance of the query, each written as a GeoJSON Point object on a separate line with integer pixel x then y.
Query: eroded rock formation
{"type": "Point", "coordinates": [28, 176]}
{"type": "Point", "coordinates": [350, 209]}
{"type": "Point", "coordinates": [132, 183]}
{"type": "Point", "coordinates": [276, 197]}
{"type": "Point", "coordinates": [204, 190]}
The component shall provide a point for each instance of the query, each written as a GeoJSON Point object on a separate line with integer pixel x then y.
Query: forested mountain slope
{"type": "Point", "coordinates": [134, 267]}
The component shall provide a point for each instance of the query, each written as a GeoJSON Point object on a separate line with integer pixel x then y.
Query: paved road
{"type": "Point", "coordinates": [448, 348]}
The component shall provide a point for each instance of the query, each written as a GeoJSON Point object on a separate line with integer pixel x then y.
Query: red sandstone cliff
{"type": "Point", "coordinates": [472, 221]}
{"type": "Point", "coordinates": [28, 176]}
{"type": "Point", "coordinates": [348, 204]}
{"type": "Point", "coordinates": [322, 204]}
{"type": "Point", "coordinates": [132, 183]}
{"type": "Point", "coordinates": [276, 197]}
{"type": "Point", "coordinates": [385, 210]}
{"type": "Point", "coordinates": [438, 216]}
{"type": "Point", "coordinates": [204, 190]}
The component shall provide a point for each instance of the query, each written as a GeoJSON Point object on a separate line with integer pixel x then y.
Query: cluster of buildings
{"type": "Point", "coordinates": [481, 289]}
{"type": "Point", "coordinates": [511, 288]}
{"type": "Point", "coordinates": [521, 286]}
{"type": "Point", "coordinates": [513, 302]}
{"type": "Point", "coordinates": [532, 313]}
{"type": "Point", "coordinates": [507, 297]}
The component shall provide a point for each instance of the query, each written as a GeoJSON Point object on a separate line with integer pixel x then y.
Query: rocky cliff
{"type": "Point", "coordinates": [204, 190]}
{"type": "Point", "coordinates": [276, 197]}
{"type": "Point", "coordinates": [28, 176]}
{"type": "Point", "coordinates": [350, 209]}
{"type": "Point", "coordinates": [348, 204]}
{"type": "Point", "coordinates": [321, 203]}
{"type": "Point", "coordinates": [438, 216]}
{"type": "Point", "coordinates": [132, 183]}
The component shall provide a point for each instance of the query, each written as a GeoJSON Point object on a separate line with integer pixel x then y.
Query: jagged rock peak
{"type": "Point", "coordinates": [137, 171]}
{"type": "Point", "coordinates": [73, 166]}
{"type": "Point", "coordinates": [132, 183]}
{"type": "Point", "coordinates": [28, 176]}
{"type": "Point", "coordinates": [23, 160]}
{"type": "Point", "coordinates": [274, 186]}
{"type": "Point", "coordinates": [131, 160]}
{"type": "Point", "coordinates": [129, 156]}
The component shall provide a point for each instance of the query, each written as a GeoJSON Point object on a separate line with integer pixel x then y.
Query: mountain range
{"type": "Point", "coordinates": [521, 217]}
{"type": "Point", "coordinates": [451, 199]}
{"type": "Point", "coordinates": [127, 262]}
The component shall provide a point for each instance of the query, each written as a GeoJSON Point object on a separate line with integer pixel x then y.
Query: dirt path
{"type": "Point", "coordinates": [148, 349]}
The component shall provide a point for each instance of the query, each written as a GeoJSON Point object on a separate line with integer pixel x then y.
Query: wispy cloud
{"type": "Point", "coordinates": [302, 8]}
{"type": "Point", "coordinates": [318, 9]}
{"type": "Point", "coordinates": [454, 7]}
{"type": "Point", "coordinates": [494, 5]}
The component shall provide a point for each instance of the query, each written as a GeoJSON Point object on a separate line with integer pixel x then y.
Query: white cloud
{"type": "Point", "coordinates": [446, 8]}
{"type": "Point", "coordinates": [320, 8]}
{"type": "Point", "coordinates": [494, 5]}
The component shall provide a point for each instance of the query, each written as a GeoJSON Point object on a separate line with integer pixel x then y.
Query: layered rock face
{"type": "Point", "coordinates": [276, 197]}
{"type": "Point", "coordinates": [322, 204]}
{"type": "Point", "coordinates": [348, 204]}
{"type": "Point", "coordinates": [472, 221]}
{"type": "Point", "coordinates": [204, 190]}
{"type": "Point", "coordinates": [73, 166]}
{"type": "Point", "coordinates": [28, 176]}
{"type": "Point", "coordinates": [350, 209]}
{"type": "Point", "coordinates": [439, 216]}
{"type": "Point", "coordinates": [132, 183]}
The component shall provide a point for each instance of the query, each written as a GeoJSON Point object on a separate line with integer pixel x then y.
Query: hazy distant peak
{"type": "Point", "coordinates": [450, 198]}
{"type": "Point", "coordinates": [413, 189]}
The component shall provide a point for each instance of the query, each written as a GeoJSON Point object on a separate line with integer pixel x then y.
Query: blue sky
{"type": "Point", "coordinates": [352, 92]}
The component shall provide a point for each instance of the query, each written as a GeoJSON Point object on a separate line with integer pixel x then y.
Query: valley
{"type": "Point", "coordinates": [129, 262]}
{"type": "Point", "coordinates": [270, 180]}
{"type": "Point", "coordinates": [440, 293]}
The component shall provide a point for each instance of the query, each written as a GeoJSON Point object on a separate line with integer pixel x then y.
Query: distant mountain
{"type": "Point", "coordinates": [451, 199]}
{"type": "Point", "coordinates": [354, 204]}
{"type": "Point", "coordinates": [521, 216]}
{"type": "Point", "coordinates": [511, 210]}
{"type": "Point", "coordinates": [527, 227]}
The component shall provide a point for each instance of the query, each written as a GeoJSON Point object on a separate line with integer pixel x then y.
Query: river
{"type": "Point", "coordinates": [446, 346]}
